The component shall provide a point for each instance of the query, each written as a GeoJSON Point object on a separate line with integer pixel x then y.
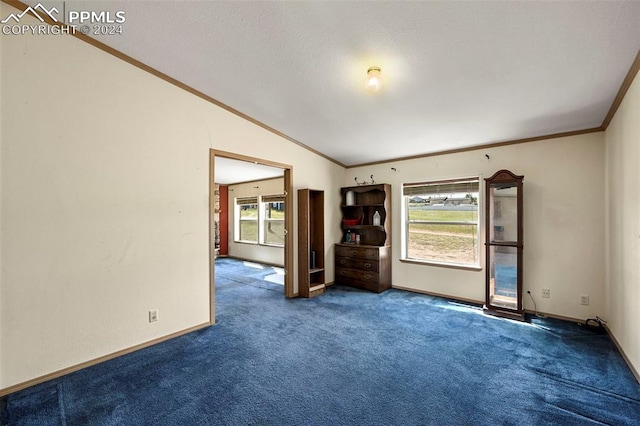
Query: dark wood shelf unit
{"type": "Point", "coordinates": [366, 264]}
{"type": "Point", "coordinates": [311, 274]}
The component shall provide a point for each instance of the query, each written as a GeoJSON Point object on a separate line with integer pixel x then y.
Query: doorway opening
{"type": "Point", "coordinates": [227, 168]}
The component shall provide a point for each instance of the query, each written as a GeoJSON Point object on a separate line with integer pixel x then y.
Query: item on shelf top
{"type": "Point", "coordinates": [350, 198]}
{"type": "Point", "coordinates": [376, 218]}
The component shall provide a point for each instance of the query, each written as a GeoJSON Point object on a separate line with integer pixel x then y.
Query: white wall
{"type": "Point", "coordinates": [259, 253]}
{"type": "Point", "coordinates": [104, 180]}
{"type": "Point", "coordinates": [563, 220]}
{"type": "Point", "coordinates": [623, 224]}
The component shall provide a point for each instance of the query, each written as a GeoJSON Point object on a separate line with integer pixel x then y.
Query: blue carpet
{"type": "Point", "coordinates": [348, 357]}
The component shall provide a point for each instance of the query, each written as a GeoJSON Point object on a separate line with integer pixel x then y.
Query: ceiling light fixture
{"type": "Point", "coordinates": [374, 81]}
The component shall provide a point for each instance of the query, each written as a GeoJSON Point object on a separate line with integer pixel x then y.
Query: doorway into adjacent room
{"type": "Point", "coordinates": [244, 221]}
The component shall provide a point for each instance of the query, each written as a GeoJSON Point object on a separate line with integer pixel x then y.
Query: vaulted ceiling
{"type": "Point", "coordinates": [457, 74]}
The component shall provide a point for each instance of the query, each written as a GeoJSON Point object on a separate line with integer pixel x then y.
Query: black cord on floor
{"type": "Point", "coordinates": [535, 307]}
{"type": "Point", "coordinates": [595, 324]}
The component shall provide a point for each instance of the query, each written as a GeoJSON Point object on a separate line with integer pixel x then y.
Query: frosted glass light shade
{"type": "Point", "coordinates": [374, 80]}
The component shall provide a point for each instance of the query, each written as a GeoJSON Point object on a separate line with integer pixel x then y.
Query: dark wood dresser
{"type": "Point", "coordinates": [366, 267]}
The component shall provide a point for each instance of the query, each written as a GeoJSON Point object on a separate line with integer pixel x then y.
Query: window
{"type": "Point", "coordinates": [441, 221]}
{"type": "Point", "coordinates": [272, 207]}
{"type": "Point", "coordinates": [260, 220]}
{"type": "Point", "coordinates": [247, 219]}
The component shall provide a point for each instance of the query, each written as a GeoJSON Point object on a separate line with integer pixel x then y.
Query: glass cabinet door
{"type": "Point", "coordinates": [503, 287]}
{"type": "Point", "coordinates": [504, 245]}
{"type": "Point", "coordinates": [503, 212]}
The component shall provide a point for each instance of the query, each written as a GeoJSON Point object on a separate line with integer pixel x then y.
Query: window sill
{"type": "Point", "coordinates": [253, 243]}
{"type": "Point", "coordinates": [442, 264]}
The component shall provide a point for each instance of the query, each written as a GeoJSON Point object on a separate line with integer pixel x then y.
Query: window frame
{"type": "Point", "coordinates": [264, 220]}
{"type": "Point", "coordinates": [244, 201]}
{"type": "Point", "coordinates": [447, 183]}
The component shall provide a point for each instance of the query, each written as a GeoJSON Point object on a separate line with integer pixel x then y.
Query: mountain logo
{"type": "Point", "coordinates": [34, 11]}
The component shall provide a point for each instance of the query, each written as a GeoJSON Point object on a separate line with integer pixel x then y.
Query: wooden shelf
{"type": "Point", "coordinates": [310, 242]}
{"type": "Point", "coordinates": [316, 291]}
{"type": "Point", "coordinates": [316, 288]}
{"type": "Point", "coordinates": [356, 245]}
{"type": "Point", "coordinates": [356, 227]}
{"type": "Point", "coordinates": [363, 205]}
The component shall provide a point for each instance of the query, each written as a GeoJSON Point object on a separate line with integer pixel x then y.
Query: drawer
{"type": "Point", "coordinates": [346, 273]}
{"type": "Point", "coordinates": [355, 251]}
{"type": "Point", "coordinates": [356, 263]}
{"type": "Point", "coordinates": [367, 285]}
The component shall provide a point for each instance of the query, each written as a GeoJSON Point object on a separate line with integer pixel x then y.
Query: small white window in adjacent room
{"type": "Point", "coordinates": [441, 222]}
{"type": "Point", "coordinates": [246, 220]}
{"type": "Point", "coordinates": [272, 220]}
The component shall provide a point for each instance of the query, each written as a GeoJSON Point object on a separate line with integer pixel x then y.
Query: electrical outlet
{"type": "Point", "coordinates": [153, 315]}
{"type": "Point", "coordinates": [584, 299]}
{"type": "Point", "coordinates": [546, 293]}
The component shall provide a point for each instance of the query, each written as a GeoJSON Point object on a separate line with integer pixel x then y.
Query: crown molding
{"type": "Point", "coordinates": [479, 147]}
{"type": "Point", "coordinates": [626, 83]}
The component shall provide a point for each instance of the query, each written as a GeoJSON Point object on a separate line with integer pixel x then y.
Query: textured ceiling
{"type": "Point", "coordinates": [229, 171]}
{"type": "Point", "coordinates": [457, 74]}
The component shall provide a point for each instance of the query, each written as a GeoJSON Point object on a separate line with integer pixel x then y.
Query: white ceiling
{"type": "Point", "coordinates": [229, 171]}
{"type": "Point", "coordinates": [457, 74]}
